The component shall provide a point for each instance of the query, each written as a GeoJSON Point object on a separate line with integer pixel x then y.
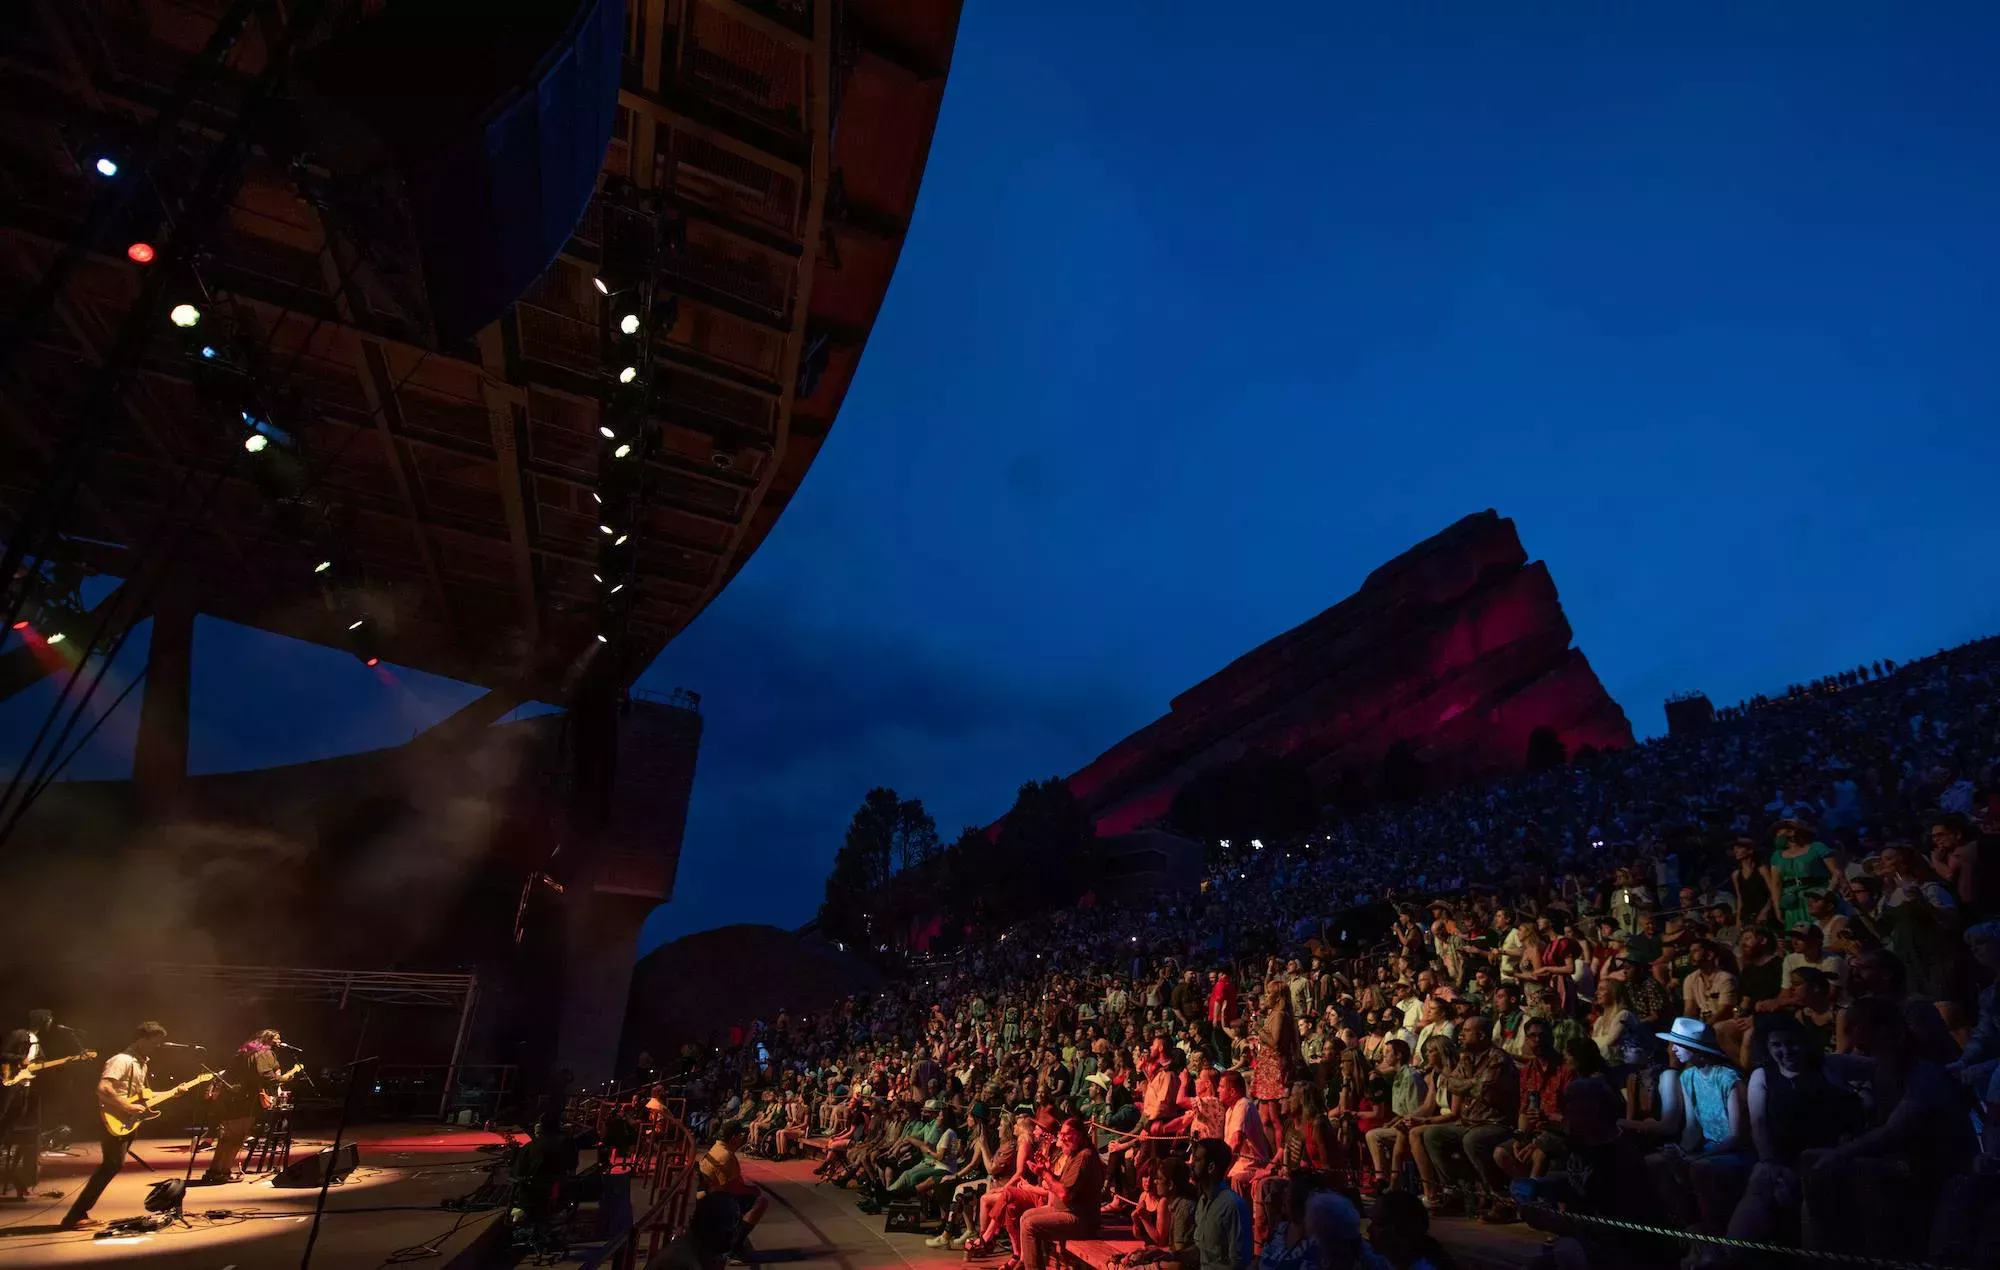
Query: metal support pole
{"type": "Point", "coordinates": [458, 1046]}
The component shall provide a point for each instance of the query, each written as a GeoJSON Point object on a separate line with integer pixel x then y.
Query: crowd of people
{"type": "Point", "coordinates": [1738, 984]}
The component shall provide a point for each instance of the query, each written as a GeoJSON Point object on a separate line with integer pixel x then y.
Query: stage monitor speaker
{"type": "Point", "coordinates": [311, 1171]}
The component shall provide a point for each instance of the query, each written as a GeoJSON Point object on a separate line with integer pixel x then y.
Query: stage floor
{"type": "Point", "coordinates": [814, 1225]}
{"type": "Point", "coordinates": [389, 1205]}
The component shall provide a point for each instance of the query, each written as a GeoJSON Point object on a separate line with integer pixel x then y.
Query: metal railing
{"type": "Point", "coordinates": [663, 1174]}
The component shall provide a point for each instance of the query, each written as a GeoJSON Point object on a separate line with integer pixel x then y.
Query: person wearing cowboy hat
{"type": "Point", "coordinates": [1713, 1157]}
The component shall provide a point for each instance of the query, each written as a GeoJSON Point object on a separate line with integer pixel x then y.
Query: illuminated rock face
{"type": "Point", "coordinates": [1458, 646]}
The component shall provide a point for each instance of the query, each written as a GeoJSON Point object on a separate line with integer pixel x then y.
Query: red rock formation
{"type": "Point", "coordinates": [1458, 646]}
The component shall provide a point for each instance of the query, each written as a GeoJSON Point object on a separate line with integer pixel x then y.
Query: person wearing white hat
{"type": "Point", "coordinates": [1714, 1156]}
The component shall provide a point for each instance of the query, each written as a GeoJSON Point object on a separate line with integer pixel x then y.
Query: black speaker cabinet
{"type": "Point", "coordinates": [311, 1170]}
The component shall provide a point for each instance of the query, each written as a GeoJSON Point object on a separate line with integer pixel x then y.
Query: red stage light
{"type": "Point", "coordinates": [20, 626]}
{"type": "Point", "coordinates": [374, 661]}
{"type": "Point", "coordinates": [140, 253]}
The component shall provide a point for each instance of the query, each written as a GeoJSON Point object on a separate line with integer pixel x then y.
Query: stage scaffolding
{"type": "Point", "coordinates": [338, 988]}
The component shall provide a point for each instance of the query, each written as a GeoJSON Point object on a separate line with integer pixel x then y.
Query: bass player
{"type": "Point", "coordinates": [254, 1081]}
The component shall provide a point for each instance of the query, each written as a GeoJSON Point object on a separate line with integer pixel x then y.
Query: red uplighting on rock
{"type": "Point", "coordinates": [140, 253]}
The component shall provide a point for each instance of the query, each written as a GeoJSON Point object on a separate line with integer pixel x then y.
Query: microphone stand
{"type": "Point", "coordinates": [195, 1134]}
{"type": "Point", "coordinates": [333, 1152]}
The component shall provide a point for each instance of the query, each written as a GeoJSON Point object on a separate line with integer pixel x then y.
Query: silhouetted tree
{"type": "Point", "coordinates": [1546, 751]}
{"type": "Point", "coordinates": [887, 836]}
{"type": "Point", "coordinates": [1047, 850]}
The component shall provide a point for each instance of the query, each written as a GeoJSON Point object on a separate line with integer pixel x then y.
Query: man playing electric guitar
{"type": "Point", "coordinates": [122, 1095]}
{"type": "Point", "coordinates": [254, 1080]}
{"type": "Point", "coordinates": [23, 1055]}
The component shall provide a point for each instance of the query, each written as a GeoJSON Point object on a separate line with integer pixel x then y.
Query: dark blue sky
{"type": "Point", "coordinates": [1200, 319]}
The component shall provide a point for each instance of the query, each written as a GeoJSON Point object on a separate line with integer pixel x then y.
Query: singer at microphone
{"type": "Point", "coordinates": [255, 1080]}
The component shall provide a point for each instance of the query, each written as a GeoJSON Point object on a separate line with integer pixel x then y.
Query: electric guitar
{"type": "Point", "coordinates": [120, 1125]}
{"type": "Point", "coordinates": [15, 1076]}
{"type": "Point", "coordinates": [270, 1100]}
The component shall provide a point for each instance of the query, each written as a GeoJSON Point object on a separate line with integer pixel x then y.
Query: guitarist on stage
{"type": "Point", "coordinates": [20, 1107]}
{"type": "Point", "coordinates": [254, 1077]}
{"type": "Point", "coordinates": [121, 1090]}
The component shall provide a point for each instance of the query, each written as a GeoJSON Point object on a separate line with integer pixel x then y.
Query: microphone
{"type": "Point", "coordinates": [180, 1045]}
{"type": "Point", "coordinates": [287, 1045]}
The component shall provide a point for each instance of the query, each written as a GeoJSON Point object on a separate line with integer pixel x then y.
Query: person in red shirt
{"type": "Point", "coordinates": [1538, 1140]}
{"type": "Point", "coordinates": [1222, 1008]}
{"type": "Point", "coordinates": [1070, 1197]}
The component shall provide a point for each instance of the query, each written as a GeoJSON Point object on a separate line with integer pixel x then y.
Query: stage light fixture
{"type": "Point", "coordinates": [107, 166]}
{"type": "Point", "coordinates": [599, 497]}
{"type": "Point", "coordinates": [622, 451]}
{"type": "Point", "coordinates": [629, 324]}
{"type": "Point", "coordinates": [602, 638]}
{"type": "Point", "coordinates": [373, 661]}
{"type": "Point", "coordinates": [140, 253]}
{"type": "Point", "coordinates": [256, 442]}
{"type": "Point", "coordinates": [184, 315]}
{"type": "Point", "coordinates": [593, 577]}
{"type": "Point", "coordinates": [605, 432]}
{"type": "Point", "coordinates": [208, 352]}
{"type": "Point", "coordinates": [57, 638]}
{"type": "Point", "coordinates": [620, 587]}
{"type": "Point", "coordinates": [23, 625]}
{"type": "Point", "coordinates": [606, 530]}
{"type": "Point", "coordinates": [602, 289]}
{"type": "Point", "coordinates": [355, 625]}
{"type": "Point", "coordinates": [627, 375]}
{"type": "Point", "coordinates": [619, 541]}
{"type": "Point", "coordinates": [323, 566]}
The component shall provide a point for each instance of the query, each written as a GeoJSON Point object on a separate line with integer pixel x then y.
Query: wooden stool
{"type": "Point", "coordinates": [269, 1146]}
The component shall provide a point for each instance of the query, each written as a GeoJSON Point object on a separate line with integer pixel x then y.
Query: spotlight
{"type": "Point", "coordinates": [256, 442]}
{"type": "Point", "coordinates": [606, 530]}
{"type": "Point", "coordinates": [625, 376]}
{"type": "Point", "coordinates": [620, 587]}
{"type": "Point", "coordinates": [356, 624]}
{"type": "Point", "coordinates": [629, 324]}
{"type": "Point", "coordinates": [600, 638]}
{"type": "Point", "coordinates": [373, 661]}
{"type": "Point", "coordinates": [619, 541]}
{"type": "Point", "coordinates": [184, 315]}
{"type": "Point", "coordinates": [593, 577]}
{"type": "Point", "coordinates": [601, 288]}
{"type": "Point", "coordinates": [323, 566]}
{"type": "Point", "coordinates": [23, 625]}
{"type": "Point", "coordinates": [606, 433]}
{"type": "Point", "coordinates": [107, 166]}
{"type": "Point", "coordinates": [140, 253]}
{"type": "Point", "coordinates": [599, 497]}
{"type": "Point", "coordinates": [208, 352]}
{"type": "Point", "coordinates": [57, 638]}
{"type": "Point", "coordinates": [621, 451]}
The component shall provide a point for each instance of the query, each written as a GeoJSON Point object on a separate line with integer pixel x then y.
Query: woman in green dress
{"type": "Point", "coordinates": [1800, 864]}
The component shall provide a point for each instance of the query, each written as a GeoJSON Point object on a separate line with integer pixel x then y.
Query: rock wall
{"type": "Point", "coordinates": [699, 986]}
{"type": "Point", "coordinates": [1458, 646]}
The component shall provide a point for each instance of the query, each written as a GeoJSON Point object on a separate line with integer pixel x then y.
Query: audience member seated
{"type": "Point", "coordinates": [722, 1174]}
{"type": "Point", "coordinates": [1712, 1158]}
